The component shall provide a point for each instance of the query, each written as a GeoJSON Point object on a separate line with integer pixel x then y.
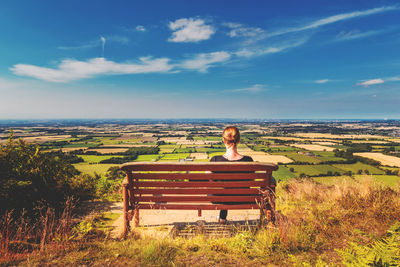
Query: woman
{"type": "Point", "coordinates": [231, 138]}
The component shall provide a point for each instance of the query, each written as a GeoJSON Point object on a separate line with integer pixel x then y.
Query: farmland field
{"type": "Point", "coordinates": [315, 170]}
{"type": "Point", "coordinates": [174, 157]}
{"type": "Point", "coordinates": [327, 156]}
{"type": "Point", "coordinates": [298, 157]}
{"type": "Point", "coordinates": [91, 169]}
{"type": "Point", "coordinates": [151, 157]}
{"type": "Point", "coordinates": [96, 158]}
{"type": "Point", "coordinates": [383, 159]}
{"type": "Point", "coordinates": [359, 166]}
{"type": "Point", "coordinates": [283, 173]}
{"type": "Point", "coordinates": [313, 147]}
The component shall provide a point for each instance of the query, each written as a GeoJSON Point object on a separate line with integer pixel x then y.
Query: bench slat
{"type": "Point", "coordinates": [198, 198]}
{"type": "Point", "coordinates": [214, 166]}
{"type": "Point", "coordinates": [198, 207]}
{"type": "Point", "coordinates": [197, 191]}
{"type": "Point", "coordinates": [199, 176]}
{"type": "Point", "coordinates": [199, 184]}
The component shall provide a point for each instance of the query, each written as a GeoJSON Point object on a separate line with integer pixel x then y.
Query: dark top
{"type": "Point", "coordinates": [222, 158]}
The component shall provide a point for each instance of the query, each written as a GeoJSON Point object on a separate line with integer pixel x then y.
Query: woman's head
{"type": "Point", "coordinates": [231, 136]}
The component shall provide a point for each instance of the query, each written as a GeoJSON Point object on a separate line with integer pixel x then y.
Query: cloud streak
{"type": "Point", "coordinates": [256, 88]}
{"type": "Point", "coordinates": [190, 30]}
{"type": "Point", "coordinates": [333, 19]}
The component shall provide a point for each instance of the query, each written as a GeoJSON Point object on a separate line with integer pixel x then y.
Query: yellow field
{"type": "Point", "coordinates": [336, 136]}
{"type": "Point", "coordinates": [108, 150]}
{"type": "Point", "coordinates": [383, 159]}
{"type": "Point", "coordinates": [261, 156]}
{"type": "Point", "coordinates": [199, 155]}
{"type": "Point", "coordinates": [313, 147]}
{"type": "Point", "coordinates": [45, 138]}
{"type": "Point", "coordinates": [325, 143]}
{"type": "Point", "coordinates": [69, 149]}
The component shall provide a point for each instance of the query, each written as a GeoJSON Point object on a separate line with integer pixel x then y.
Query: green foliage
{"type": "Point", "coordinates": [27, 176]}
{"type": "Point", "coordinates": [382, 252]}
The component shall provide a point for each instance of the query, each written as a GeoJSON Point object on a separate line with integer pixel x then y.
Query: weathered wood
{"type": "Point", "coordinates": [200, 184]}
{"type": "Point", "coordinates": [199, 206]}
{"type": "Point", "coordinates": [203, 166]}
{"type": "Point", "coordinates": [198, 198]}
{"type": "Point", "coordinates": [200, 176]}
{"type": "Point", "coordinates": [197, 191]}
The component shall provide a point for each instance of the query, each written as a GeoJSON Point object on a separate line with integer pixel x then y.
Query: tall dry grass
{"type": "Point", "coordinates": [21, 235]}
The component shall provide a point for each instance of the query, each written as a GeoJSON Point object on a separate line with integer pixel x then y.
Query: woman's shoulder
{"type": "Point", "coordinates": [218, 158]}
{"type": "Point", "coordinates": [247, 158]}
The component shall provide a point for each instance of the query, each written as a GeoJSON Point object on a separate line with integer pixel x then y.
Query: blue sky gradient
{"type": "Point", "coordinates": [206, 59]}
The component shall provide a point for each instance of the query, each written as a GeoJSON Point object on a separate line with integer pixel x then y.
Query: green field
{"type": "Point", "coordinates": [282, 174]}
{"type": "Point", "coordinates": [166, 150]}
{"type": "Point", "coordinates": [354, 168]}
{"type": "Point", "coordinates": [208, 138]}
{"type": "Point", "coordinates": [151, 157]}
{"type": "Point", "coordinates": [282, 148]}
{"type": "Point", "coordinates": [209, 149]}
{"type": "Point", "coordinates": [100, 169]}
{"type": "Point", "coordinates": [174, 157]}
{"type": "Point", "coordinates": [168, 146]}
{"type": "Point", "coordinates": [298, 157]}
{"type": "Point", "coordinates": [210, 155]}
{"type": "Point", "coordinates": [184, 150]}
{"type": "Point", "coordinates": [314, 170]}
{"type": "Point", "coordinates": [95, 158]}
{"type": "Point", "coordinates": [327, 156]}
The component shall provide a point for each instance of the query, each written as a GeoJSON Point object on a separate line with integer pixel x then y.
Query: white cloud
{"type": "Point", "coordinates": [190, 30]}
{"type": "Point", "coordinates": [201, 62]}
{"type": "Point", "coordinates": [322, 81]}
{"type": "Point", "coordinates": [253, 89]}
{"type": "Point", "coordinates": [335, 18]}
{"type": "Point", "coordinates": [140, 28]}
{"type": "Point", "coordinates": [238, 30]}
{"type": "Point", "coordinates": [70, 69]}
{"type": "Point", "coordinates": [371, 82]}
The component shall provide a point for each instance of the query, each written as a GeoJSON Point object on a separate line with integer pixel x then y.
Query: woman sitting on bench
{"type": "Point", "coordinates": [231, 138]}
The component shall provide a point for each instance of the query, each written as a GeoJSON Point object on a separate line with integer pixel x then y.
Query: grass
{"type": "Point", "coordinates": [298, 157]}
{"type": "Point", "coordinates": [96, 158]}
{"type": "Point", "coordinates": [359, 166]}
{"type": "Point", "coordinates": [100, 169]}
{"type": "Point", "coordinates": [316, 224]}
{"type": "Point", "coordinates": [283, 173]}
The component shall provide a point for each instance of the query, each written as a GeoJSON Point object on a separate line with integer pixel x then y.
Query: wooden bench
{"type": "Point", "coordinates": [197, 186]}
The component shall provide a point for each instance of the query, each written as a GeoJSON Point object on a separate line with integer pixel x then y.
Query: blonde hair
{"type": "Point", "coordinates": [231, 136]}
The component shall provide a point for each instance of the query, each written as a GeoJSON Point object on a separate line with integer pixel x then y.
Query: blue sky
{"type": "Point", "coordinates": [206, 59]}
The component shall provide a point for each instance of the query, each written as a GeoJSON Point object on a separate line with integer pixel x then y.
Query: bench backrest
{"type": "Point", "coordinates": [197, 185]}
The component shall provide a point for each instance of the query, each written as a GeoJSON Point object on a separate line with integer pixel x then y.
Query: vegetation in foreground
{"type": "Point", "coordinates": [354, 222]}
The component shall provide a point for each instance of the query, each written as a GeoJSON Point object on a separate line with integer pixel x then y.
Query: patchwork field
{"type": "Point", "coordinates": [315, 170]}
{"type": "Point", "coordinates": [313, 147]}
{"type": "Point", "coordinates": [96, 158]}
{"type": "Point", "coordinates": [298, 157]}
{"type": "Point", "coordinates": [383, 159]}
{"type": "Point", "coordinates": [108, 150]}
{"type": "Point", "coordinates": [359, 166]}
{"type": "Point", "coordinates": [91, 169]}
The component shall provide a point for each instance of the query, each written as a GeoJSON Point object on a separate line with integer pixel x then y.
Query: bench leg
{"type": "Point", "coordinates": [126, 211]}
{"type": "Point", "coordinates": [136, 216]}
